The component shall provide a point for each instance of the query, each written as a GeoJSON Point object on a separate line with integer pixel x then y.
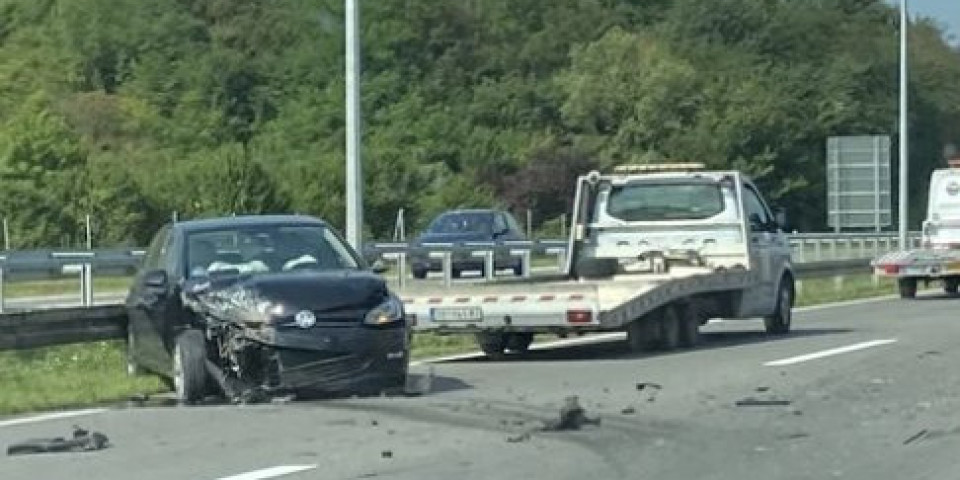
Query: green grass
{"type": "Point", "coordinates": [75, 375]}
{"type": "Point", "coordinates": [68, 376]}
{"type": "Point", "coordinates": [64, 286]}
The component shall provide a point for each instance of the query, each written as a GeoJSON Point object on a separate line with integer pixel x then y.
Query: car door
{"type": "Point", "coordinates": [141, 300]}
{"type": "Point", "coordinates": [765, 245]}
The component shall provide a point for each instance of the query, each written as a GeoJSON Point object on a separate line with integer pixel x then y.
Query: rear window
{"type": "Point", "coordinates": [946, 197]}
{"type": "Point", "coordinates": [648, 202]}
{"type": "Point", "coordinates": [462, 223]}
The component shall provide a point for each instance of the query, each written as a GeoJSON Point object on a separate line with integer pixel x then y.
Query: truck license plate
{"type": "Point", "coordinates": [457, 314]}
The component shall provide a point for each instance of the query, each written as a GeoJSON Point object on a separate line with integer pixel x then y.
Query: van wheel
{"type": "Point", "coordinates": [189, 366]}
{"type": "Point", "coordinates": [907, 287]}
{"type": "Point", "coordinates": [492, 344]}
{"type": "Point", "coordinates": [669, 325]}
{"type": "Point", "coordinates": [779, 322]}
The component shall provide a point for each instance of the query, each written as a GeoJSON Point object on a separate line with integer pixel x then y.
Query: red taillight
{"type": "Point", "coordinates": [579, 316]}
{"type": "Point", "coordinates": [891, 269]}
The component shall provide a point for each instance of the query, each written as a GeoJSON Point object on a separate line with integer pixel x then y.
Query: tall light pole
{"type": "Point", "coordinates": [354, 183]}
{"type": "Point", "coordinates": [904, 155]}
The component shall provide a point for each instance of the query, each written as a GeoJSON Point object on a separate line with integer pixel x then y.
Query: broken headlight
{"type": "Point", "coordinates": [388, 312]}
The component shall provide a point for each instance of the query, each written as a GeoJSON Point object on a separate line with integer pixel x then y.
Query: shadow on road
{"type": "Point", "coordinates": [618, 350]}
{"type": "Point", "coordinates": [939, 296]}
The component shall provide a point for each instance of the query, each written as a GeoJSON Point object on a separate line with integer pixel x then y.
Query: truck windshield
{"type": "Point", "coordinates": [266, 249]}
{"type": "Point", "coordinates": [642, 202]}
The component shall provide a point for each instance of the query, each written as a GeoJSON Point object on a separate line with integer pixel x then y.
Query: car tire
{"type": "Point", "coordinates": [133, 368]}
{"type": "Point", "coordinates": [669, 326]}
{"type": "Point", "coordinates": [518, 269]}
{"type": "Point", "coordinates": [419, 273]}
{"type": "Point", "coordinates": [951, 285]}
{"type": "Point", "coordinates": [907, 287]}
{"type": "Point", "coordinates": [456, 273]}
{"type": "Point", "coordinates": [780, 321]}
{"type": "Point", "coordinates": [189, 366]}
{"type": "Point", "coordinates": [519, 342]}
{"type": "Point", "coordinates": [492, 345]}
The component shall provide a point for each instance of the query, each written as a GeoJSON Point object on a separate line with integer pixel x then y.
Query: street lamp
{"type": "Point", "coordinates": [354, 181]}
{"type": "Point", "coordinates": [904, 155]}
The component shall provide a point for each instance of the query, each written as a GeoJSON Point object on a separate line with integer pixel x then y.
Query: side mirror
{"type": "Point", "coordinates": [378, 267]}
{"type": "Point", "coordinates": [780, 216]}
{"type": "Point", "coordinates": [156, 279]}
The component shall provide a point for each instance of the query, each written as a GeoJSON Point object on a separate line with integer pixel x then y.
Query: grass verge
{"type": "Point", "coordinates": [76, 375]}
{"type": "Point", "coordinates": [64, 286]}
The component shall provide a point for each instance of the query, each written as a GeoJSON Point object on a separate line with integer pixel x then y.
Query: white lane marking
{"type": "Point", "coordinates": [50, 416]}
{"type": "Point", "coordinates": [829, 353]}
{"type": "Point", "coordinates": [271, 472]}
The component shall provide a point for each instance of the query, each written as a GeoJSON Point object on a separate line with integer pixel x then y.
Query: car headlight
{"type": "Point", "coordinates": [388, 312]}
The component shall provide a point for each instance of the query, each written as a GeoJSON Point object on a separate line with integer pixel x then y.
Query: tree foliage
{"type": "Point", "coordinates": [129, 110]}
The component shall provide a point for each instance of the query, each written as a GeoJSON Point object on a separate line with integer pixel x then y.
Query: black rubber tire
{"type": "Point", "coordinates": [907, 287]}
{"type": "Point", "coordinates": [781, 320]}
{"type": "Point", "coordinates": [669, 326]}
{"type": "Point", "coordinates": [419, 274]}
{"type": "Point", "coordinates": [518, 269]}
{"type": "Point", "coordinates": [951, 285]}
{"type": "Point", "coordinates": [643, 334]}
{"type": "Point", "coordinates": [133, 368]}
{"type": "Point", "coordinates": [690, 322]}
{"type": "Point", "coordinates": [189, 366]}
{"type": "Point", "coordinates": [492, 345]}
{"type": "Point", "coordinates": [456, 273]}
{"type": "Point", "coordinates": [596, 267]}
{"type": "Point", "coordinates": [519, 342]}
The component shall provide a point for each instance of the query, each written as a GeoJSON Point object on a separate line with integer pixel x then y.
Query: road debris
{"type": "Point", "coordinates": [374, 423]}
{"type": "Point", "coordinates": [762, 389]}
{"type": "Point", "coordinates": [81, 441]}
{"type": "Point", "coordinates": [761, 402]}
{"type": "Point", "coordinates": [572, 416]}
{"type": "Point", "coordinates": [628, 411]}
{"type": "Point", "coordinates": [917, 436]}
{"type": "Point", "coordinates": [644, 385]}
{"type": "Point", "coordinates": [386, 454]}
{"type": "Point", "coordinates": [522, 437]}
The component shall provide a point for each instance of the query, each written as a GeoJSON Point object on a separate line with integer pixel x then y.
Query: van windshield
{"type": "Point", "coordinates": [645, 202]}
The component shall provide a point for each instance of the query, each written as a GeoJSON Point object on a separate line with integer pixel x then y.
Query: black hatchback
{"type": "Point", "coordinates": [261, 304]}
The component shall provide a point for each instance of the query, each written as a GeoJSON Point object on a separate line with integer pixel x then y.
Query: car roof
{"type": "Point", "coordinates": [246, 221]}
{"type": "Point", "coordinates": [470, 210]}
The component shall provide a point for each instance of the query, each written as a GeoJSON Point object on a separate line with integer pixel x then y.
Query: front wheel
{"type": "Point", "coordinates": [951, 285]}
{"type": "Point", "coordinates": [907, 287]}
{"type": "Point", "coordinates": [189, 366]}
{"type": "Point", "coordinates": [779, 322]}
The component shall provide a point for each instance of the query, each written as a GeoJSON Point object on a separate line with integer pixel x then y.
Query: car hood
{"type": "Point", "coordinates": [320, 291]}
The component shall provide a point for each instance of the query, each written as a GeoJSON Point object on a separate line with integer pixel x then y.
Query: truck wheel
{"type": "Point", "coordinates": [596, 267]}
{"type": "Point", "coordinates": [643, 334]}
{"type": "Point", "coordinates": [779, 322]}
{"type": "Point", "coordinates": [690, 327]}
{"type": "Point", "coordinates": [951, 285]}
{"type": "Point", "coordinates": [519, 342]}
{"type": "Point", "coordinates": [492, 344]}
{"type": "Point", "coordinates": [907, 287]}
{"type": "Point", "coordinates": [669, 325]}
{"type": "Point", "coordinates": [189, 366]}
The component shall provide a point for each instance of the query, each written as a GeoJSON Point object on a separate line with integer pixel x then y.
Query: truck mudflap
{"type": "Point", "coordinates": [605, 305]}
{"type": "Point", "coordinates": [918, 263]}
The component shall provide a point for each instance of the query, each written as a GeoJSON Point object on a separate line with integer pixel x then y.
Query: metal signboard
{"type": "Point", "coordinates": [858, 182]}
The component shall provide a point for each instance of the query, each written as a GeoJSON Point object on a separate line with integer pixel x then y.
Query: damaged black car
{"type": "Point", "coordinates": [251, 305]}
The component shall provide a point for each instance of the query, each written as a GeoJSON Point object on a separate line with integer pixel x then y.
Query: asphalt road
{"type": "Point", "coordinates": [862, 391]}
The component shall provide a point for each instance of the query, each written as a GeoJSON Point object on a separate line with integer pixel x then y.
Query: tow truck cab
{"type": "Point", "coordinates": [941, 229]}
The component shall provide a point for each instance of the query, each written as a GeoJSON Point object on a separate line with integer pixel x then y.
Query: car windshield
{"type": "Point", "coordinates": [265, 249]}
{"type": "Point", "coordinates": [453, 223]}
{"type": "Point", "coordinates": [644, 202]}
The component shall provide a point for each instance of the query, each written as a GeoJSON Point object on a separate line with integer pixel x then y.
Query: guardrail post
{"type": "Point", "coordinates": [525, 263]}
{"type": "Point", "coordinates": [402, 268]}
{"type": "Point", "coordinates": [1, 288]}
{"type": "Point", "coordinates": [86, 285]}
{"type": "Point", "coordinates": [838, 283]}
{"type": "Point", "coordinates": [447, 259]}
{"type": "Point", "coordinates": [817, 250]}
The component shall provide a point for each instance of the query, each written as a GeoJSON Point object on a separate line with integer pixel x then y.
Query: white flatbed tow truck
{"type": "Point", "coordinates": [655, 250]}
{"type": "Point", "coordinates": [938, 259]}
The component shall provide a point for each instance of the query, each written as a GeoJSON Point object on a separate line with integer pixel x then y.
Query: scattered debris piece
{"type": "Point", "coordinates": [762, 389]}
{"type": "Point", "coordinates": [762, 402]}
{"type": "Point", "coordinates": [915, 437]}
{"type": "Point", "coordinates": [628, 411]}
{"type": "Point", "coordinates": [81, 441]}
{"type": "Point", "coordinates": [386, 454]}
{"type": "Point", "coordinates": [391, 431]}
{"type": "Point", "coordinates": [374, 422]}
{"type": "Point", "coordinates": [572, 416]}
{"type": "Point", "coordinates": [794, 436]}
{"type": "Point", "coordinates": [522, 437]}
{"type": "Point", "coordinates": [644, 385]}
{"type": "Point", "coordinates": [929, 353]}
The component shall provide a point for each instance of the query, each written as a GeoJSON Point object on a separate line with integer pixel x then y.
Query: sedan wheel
{"type": "Point", "coordinates": [189, 366]}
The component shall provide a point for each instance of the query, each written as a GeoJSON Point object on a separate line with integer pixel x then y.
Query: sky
{"type": "Point", "coordinates": [946, 12]}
